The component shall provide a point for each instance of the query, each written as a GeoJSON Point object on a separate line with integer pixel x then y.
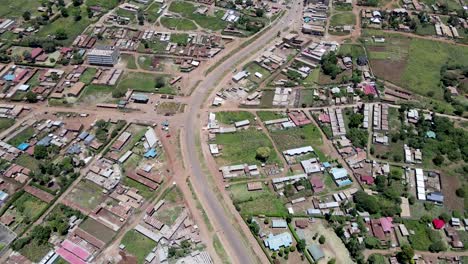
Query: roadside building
{"type": "Point", "coordinates": [106, 55]}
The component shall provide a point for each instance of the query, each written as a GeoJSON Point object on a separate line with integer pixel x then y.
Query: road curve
{"type": "Point", "coordinates": [241, 252]}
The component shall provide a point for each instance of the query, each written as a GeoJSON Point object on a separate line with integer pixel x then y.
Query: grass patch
{"type": "Point", "coordinates": [72, 27]}
{"type": "Point", "coordinates": [129, 61]}
{"type": "Point", "coordinates": [138, 245]}
{"type": "Point", "coordinates": [352, 50]}
{"type": "Point", "coordinates": [239, 192]}
{"type": "Point", "coordinates": [88, 76]}
{"type": "Point", "coordinates": [86, 194]}
{"type": "Point", "coordinates": [220, 249]}
{"type": "Point", "coordinates": [423, 236]}
{"type": "Point", "coordinates": [97, 229]}
{"type": "Point", "coordinates": [18, 7]}
{"type": "Point", "coordinates": [187, 10]}
{"type": "Point", "coordinates": [266, 204]}
{"type": "Point", "coordinates": [34, 251]}
{"type": "Point", "coordinates": [297, 137]}
{"type": "Point", "coordinates": [229, 118]}
{"type": "Point", "coordinates": [143, 190]}
{"type": "Point", "coordinates": [180, 38]}
{"type": "Point", "coordinates": [178, 23]}
{"type": "Point", "coordinates": [341, 19]}
{"type": "Point", "coordinates": [252, 68]}
{"type": "Point", "coordinates": [21, 137]}
{"type": "Point", "coordinates": [6, 123]}
{"type": "Point", "coordinates": [27, 161]}
{"type": "Point", "coordinates": [241, 147]}
{"type": "Point", "coordinates": [169, 215]}
{"type": "Point", "coordinates": [152, 12]}
{"type": "Point", "coordinates": [29, 206]}
{"type": "Point", "coordinates": [144, 82]}
{"type": "Point", "coordinates": [270, 115]}
{"type": "Point", "coordinates": [107, 4]}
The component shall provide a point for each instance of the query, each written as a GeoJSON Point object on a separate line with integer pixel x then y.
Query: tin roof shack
{"type": "Point", "coordinates": [241, 170]}
{"type": "Point", "coordinates": [340, 176]}
{"type": "Point", "coordinates": [292, 155]}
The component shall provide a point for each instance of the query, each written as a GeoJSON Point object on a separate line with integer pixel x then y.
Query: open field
{"type": "Point", "coordinates": [297, 137]}
{"type": "Point", "coordinates": [5, 123]}
{"type": "Point", "coordinates": [423, 236]}
{"type": "Point", "coordinates": [88, 76]}
{"type": "Point", "coordinates": [239, 192]}
{"type": "Point", "coordinates": [187, 10]}
{"type": "Point", "coordinates": [253, 68]}
{"type": "Point", "coordinates": [97, 229]}
{"type": "Point", "coordinates": [241, 147]}
{"type": "Point", "coordinates": [86, 194]}
{"type": "Point", "coordinates": [341, 19]}
{"type": "Point", "coordinates": [107, 4]}
{"type": "Point", "coordinates": [270, 115]}
{"type": "Point", "coordinates": [18, 7]}
{"type": "Point", "coordinates": [72, 27]}
{"type": "Point", "coordinates": [266, 203]}
{"type": "Point", "coordinates": [28, 162]}
{"type": "Point", "coordinates": [152, 12]}
{"type": "Point", "coordinates": [353, 50]}
{"type": "Point", "coordinates": [21, 137]}
{"type": "Point", "coordinates": [138, 245]}
{"type": "Point", "coordinates": [93, 94]}
{"type": "Point", "coordinates": [178, 23]}
{"type": "Point", "coordinates": [229, 118]}
{"type": "Point", "coordinates": [405, 61]}
{"type": "Point", "coordinates": [35, 252]}
{"type": "Point", "coordinates": [129, 61]}
{"type": "Point", "coordinates": [143, 82]}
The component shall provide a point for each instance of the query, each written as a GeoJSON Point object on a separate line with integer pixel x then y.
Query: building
{"type": "Point", "coordinates": [316, 252]}
{"type": "Point", "coordinates": [104, 55]}
{"type": "Point", "coordinates": [275, 242]}
{"type": "Point", "coordinates": [340, 175]}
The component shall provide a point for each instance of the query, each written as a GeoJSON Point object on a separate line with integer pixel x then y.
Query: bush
{"type": "Point", "coordinates": [322, 239]}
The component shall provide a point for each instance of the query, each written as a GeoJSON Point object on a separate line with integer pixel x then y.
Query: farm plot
{"type": "Point", "coordinates": [145, 82]}
{"type": "Point", "coordinates": [138, 245]}
{"type": "Point", "coordinates": [86, 195]}
{"type": "Point", "coordinates": [297, 137]}
{"type": "Point", "coordinates": [241, 147]}
{"type": "Point", "coordinates": [188, 10]}
{"type": "Point", "coordinates": [229, 118]}
{"type": "Point", "coordinates": [261, 202]}
{"type": "Point", "coordinates": [97, 229]}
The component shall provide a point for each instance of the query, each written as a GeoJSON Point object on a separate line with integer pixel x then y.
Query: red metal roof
{"type": "Point", "coordinates": [438, 223]}
{"type": "Point", "coordinates": [36, 52]}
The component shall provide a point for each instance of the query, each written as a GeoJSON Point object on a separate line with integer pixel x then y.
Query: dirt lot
{"type": "Point", "coordinates": [392, 70]}
{"type": "Point", "coordinates": [449, 184]}
{"type": "Point", "coordinates": [333, 247]}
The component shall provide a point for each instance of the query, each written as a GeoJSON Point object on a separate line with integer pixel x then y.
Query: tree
{"type": "Point", "coordinates": [160, 82]}
{"type": "Point", "coordinates": [27, 55]}
{"type": "Point", "coordinates": [77, 2]}
{"type": "Point", "coordinates": [40, 152]}
{"type": "Point", "coordinates": [31, 97]}
{"type": "Point", "coordinates": [356, 120]}
{"type": "Point", "coordinates": [406, 254]}
{"type": "Point", "coordinates": [460, 192]}
{"type": "Point", "coordinates": [366, 202]}
{"type": "Point", "coordinates": [27, 15]}
{"type": "Point", "coordinates": [64, 12]}
{"type": "Point", "coordinates": [41, 234]}
{"type": "Point", "coordinates": [438, 160]}
{"type": "Point", "coordinates": [437, 246]}
{"type": "Point", "coordinates": [445, 216]}
{"type": "Point", "coordinates": [322, 239]}
{"type": "Point", "coordinates": [371, 242]}
{"type": "Point", "coordinates": [259, 12]}
{"type": "Point", "coordinates": [263, 153]}
{"type": "Point", "coordinates": [301, 244]}
{"type": "Point", "coordinates": [61, 34]}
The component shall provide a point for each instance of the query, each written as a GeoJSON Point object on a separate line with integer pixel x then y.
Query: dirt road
{"type": "Point", "coordinates": [239, 251]}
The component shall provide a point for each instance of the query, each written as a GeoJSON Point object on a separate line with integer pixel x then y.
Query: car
{"type": "Point", "coordinates": [168, 135]}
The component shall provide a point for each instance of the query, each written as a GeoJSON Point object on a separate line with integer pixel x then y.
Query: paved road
{"type": "Point", "coordinates": [241, 252]}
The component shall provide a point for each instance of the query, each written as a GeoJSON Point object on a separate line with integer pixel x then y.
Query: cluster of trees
{"type": "Point", "coordinates": [57, 222]}
{"type": "Point", "coordinates": [450, 76]}
{"type": "Point", "coordinates": [179, 252]}
{"type": "Point", "coordinates": [249, 24]}
{"type": "Point", "coordinates": [386, 204]}
{"type": "Point", "coordinates": [329, 66]}
{"type": "Point", "coordinates": [62, 171]}
{"type": "Point", "coordinates": [253, 225]}
{"type": "Point", "coordinates": [283, 252]}
{"type": "Point", "coordinates": [263, 153]}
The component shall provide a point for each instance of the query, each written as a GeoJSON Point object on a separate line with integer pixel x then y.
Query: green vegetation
{"type": "Point", "coordinates": [143, 190]}
{"type": "Point", "coordinates": [35, 251]}
{"type": "Point", "coordinates": [270, 115]}
{"type": "Point", "coordinates": [180, 38]}
{"type": "Point", "coordinates": [229, 118]}
{"type": "Point", "coordinates": [169, 215]}
{"type": "Point", "coordinates": [22, 136]}
{"type": "Point", "coordinates": [72, 26]}
{"type": "Point", "coordinates": [178, 23]}
{"type": "Point", "coordinates": [241, 147]}
{"type": "Point", "coordinates": [308, 135]}
{"type": "Point", "coordinates": [18, 7]}
{"type": "Point", "coordinates": [187, 10]}
{"type": "Point", "coordinates": [341, 19]}
{"type": "Point", "coordinates": [97, 229]}
{"type": "Point", "coordinates": [220, 249]}
{"type": "Point", "coordinates": [138, 245]}
{"type": "Point", "coordinates": [107, 4]}
{"type": "Point", "coordinates": [130, 61]}
{"type": "Point", "coordinates": [239, 192]}
{"type": "Point", "coordinates": [265, 204]}
{"type": "Point", "coordinates": [88, 76]}
{"type": "Point", "coordinates": [423, 236]}
{"type": "Point", "coordinates": [152, 12]}
{"type": "Point", "coordinates": [352, 50]}
{"type": "Point", "coordinates": [6, 123]}
{"type": "Point", "coordinates": [253, 68]}
{"type": "Point", "coordinates": [144, 82]}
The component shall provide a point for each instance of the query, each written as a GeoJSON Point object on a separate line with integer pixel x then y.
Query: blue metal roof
{"type": "Point", "coordinates": [151, 153]}
{"type": "Point", "coordinates": [45, 141]}
{"type": "Point", "coordinates": [23, 146]}
{"type": "Point", "coordinates": [9, 77]}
